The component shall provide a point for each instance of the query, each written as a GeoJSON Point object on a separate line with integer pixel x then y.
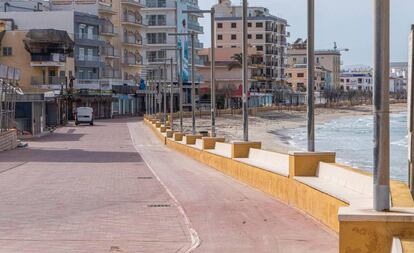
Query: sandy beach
{"type": "Point", "coordinates": [270, 127]}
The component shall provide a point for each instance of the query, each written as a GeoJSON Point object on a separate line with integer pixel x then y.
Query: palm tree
{"type": "Point", "coordinates": [237, 61]}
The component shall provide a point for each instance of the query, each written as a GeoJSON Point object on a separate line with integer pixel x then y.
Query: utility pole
{"type": "Point", "coordinates": [164, 86]}
{"type": "Point", "coordinates": [245, 75]}
{"type": "Point", "coordinates": [172, 94]}
{"type": "Point", "coordinates": [311, 75]}
{"type": "Point", "coordinates": [381, 105]}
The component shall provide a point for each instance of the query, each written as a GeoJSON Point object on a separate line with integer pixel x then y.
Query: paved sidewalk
{"type": "Point", "coordinates": [230, 216]}
{"type": "Point", "coordinates": [85, 189]}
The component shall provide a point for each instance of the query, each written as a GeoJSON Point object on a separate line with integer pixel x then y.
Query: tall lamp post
{"type": "Point", "coordinates": [311, 74]}
{"type": "Point", "coordinates": [381, 105]}
{"type": "Point", "coordinates": [245, 75]}
{"type": "Point", "coordinates": [212, 66]}
{"type": "Point", "coordinates": [193, 107]}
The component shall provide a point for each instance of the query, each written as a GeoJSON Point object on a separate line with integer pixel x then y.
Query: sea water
{"type": "Point", "coordinates": [352, 140]}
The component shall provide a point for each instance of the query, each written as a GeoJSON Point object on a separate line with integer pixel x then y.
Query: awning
{"type": "Point", "coordinates": [48, 41]}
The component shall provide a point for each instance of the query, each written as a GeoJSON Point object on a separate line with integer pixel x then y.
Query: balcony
{"type": "Point", "coordinates": [109, 30]}
{"type": "Point", "coordinates": [89, 58]}
{"type": "Point", "coordinates": [105, 8]}
{"type": "Point", "coordinates": [132, 20]}
{"type": "Point", "coordinates": [49, 83]}
{"type": "Point", "coordinates": [92, 84]}
{"type": "Point", "coordinates": [135, 3]}
{"type": "Point", "coordinates": [48, 60]}
{"type": "Point", "coordinates": [195, 8]}
{"type": "Point", "coordinates": [195, 27]}
{"type": "Point", "coordinates": [110, 52]}
{"type": "Point", "coordinates": [132, 60]}
{"type": "Point", "coordinates": [132, 41]}
{"type": "Point", "coordinates": [109, 73]}
{"type": "Point", "coordinates": [198, 44]}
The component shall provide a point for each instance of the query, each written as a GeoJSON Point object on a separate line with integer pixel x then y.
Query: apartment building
{"type": "Point", "coordinates": [161, 18]}
{"type": "Point", "coordinates": [45, 57]}
{"type": "Point", "coordinates": [329, 59]}
{"type": "Point", "coordinates": [266, 33]}
{"type": "Point", "coordinates": [297, 77]}
{"type": "Point", "coordinates": [357, 78]}
{"type": "Point", "coordinates": [229, 81]}
{"type": "Point", "coordinates": [118, 41]}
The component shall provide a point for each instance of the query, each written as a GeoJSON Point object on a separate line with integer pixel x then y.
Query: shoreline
{"type": "Point", "coordinates": [271, 127]}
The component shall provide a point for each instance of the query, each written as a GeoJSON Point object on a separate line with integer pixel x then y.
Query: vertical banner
{"type": "Point", "coordinates": [182, 27]}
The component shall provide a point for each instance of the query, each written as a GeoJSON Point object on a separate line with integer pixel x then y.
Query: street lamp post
{"type": "Point", "coordinates": [172, 94]}
{"type": "Point", "coordinates": [164, 90]}
{"type": "Point", "coordinates": [311, 74]}
{"type": "Point", "coordinates": [212, 66]}
{"type": "Point", "coordinates": [245, 76]}
{"type": "Point", "coordinates": [381, 105]}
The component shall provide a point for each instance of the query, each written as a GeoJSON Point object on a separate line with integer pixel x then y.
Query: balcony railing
{"type": "Point", "coordinates": [157, 23]}
{"type": "Point", "coordinates": [109, 29]}
{"type": "Point", "coordinates": [198, 44]}
{"type": "Point", "coordinates": [48, 80]}
{"type": "Point", "coordinates": [48, 57]}
{"type": "Point", "coordinates": [88, 36]}
{"type": "Point", "coordinates": [111, 73]}
{"type": "Point", "coordinates": [156, 3]}
{"type": "Point", "coordinates": [110, 52]}
{"type": "Point", "coordinates": [132, 40]}
{"type": "Point", "coordinates": [132, 60]}
{"type": "Point", "coordinates": [139, 3]}
{"type": "Point", "coordinates": [105, 7]}
{"type": "Point", "coordinates": [195, 27]}
{"type": "Point", "coordinates": [90, 58]}
{"type": "Point", "coordinates": [132, 19]}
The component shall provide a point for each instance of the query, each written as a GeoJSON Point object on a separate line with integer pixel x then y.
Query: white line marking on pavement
{"type": "Point", "coordinates": [195, 239]}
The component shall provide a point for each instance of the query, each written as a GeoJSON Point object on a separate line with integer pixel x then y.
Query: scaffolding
{"type": "Point", "coordinates": [8, 95]}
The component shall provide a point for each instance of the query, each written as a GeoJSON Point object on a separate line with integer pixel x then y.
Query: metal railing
{"type": "Point", "coordinates": [109, 29]}
{"type": "Point", "coordinates": [90, 58]}
{"type": "Point", "coordinates": [110, 52]}
{"type": "Point", "coordinates": [132, 19]}
{"type": "Point", "coordinates": [40, 80]}
{"type": "Point", "coordinates": [132, 40]}
{"type": "Point", "coordinates": [88, 36]}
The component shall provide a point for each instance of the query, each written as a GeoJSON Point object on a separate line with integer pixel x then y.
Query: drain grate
{"type": "Point", "coordinates": [144, 177]}
{"type": "Point", "coordinates": [159, 205]}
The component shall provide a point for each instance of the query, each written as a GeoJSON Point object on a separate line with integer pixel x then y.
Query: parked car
{"type": "Point", "coordinates": [84, 115]}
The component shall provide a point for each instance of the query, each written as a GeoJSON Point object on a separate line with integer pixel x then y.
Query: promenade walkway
{"type": "Point", "coordinates": [114, 188]}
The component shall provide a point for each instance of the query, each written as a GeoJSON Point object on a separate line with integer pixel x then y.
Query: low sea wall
{"type": "Point", "coordinates": [336, 195]}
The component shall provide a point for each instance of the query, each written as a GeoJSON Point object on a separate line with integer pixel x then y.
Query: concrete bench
{"type": "Point", "coordinates": [344, 184]}
{"type": "Point", "coordinates": [221, 149]}
{"type": "Point", "coordinates": [270, 161]}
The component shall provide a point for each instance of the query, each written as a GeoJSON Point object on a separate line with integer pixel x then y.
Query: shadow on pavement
{"type": "Point", "coordinates": [69, 156]}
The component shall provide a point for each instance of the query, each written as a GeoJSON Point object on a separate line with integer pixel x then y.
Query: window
{"type": "Point", "coordinates": [233, 25]}
{"type": "Point", "coordinates": [249, 36]}
{"type": "Point", "coordinates": [81, 55]}
{"type": "Point", "coordinates": [219, 25]}
{"type": "Point", "coordinates": [249, 24]}
{"type": "Point", "coordinates": [359, 80]}
{"type": "Point", "coordinates": [233, 46]}
{"type": "Point", "coordinates": [233, 37]}
{"type": "Point", "coordinates": [259, 25]}
{"type": "Point", "coordinates": [220, 37]}
{"type": "Point", "coordinates": [157, 38]}
{"type": "Point", "coordinates": [219, 46]}
{"type": "Point", "coordinates": [300, 75]}
{"type": "Point", "coordinates": [259, 36]}
{"type": "Point", "coordinates": [259, 48]}
{"type": "Point", "coordinates": [7, 51]}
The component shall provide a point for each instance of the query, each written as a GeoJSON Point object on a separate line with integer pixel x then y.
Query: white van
{"type": "Point", "coordinates": [84, 115]}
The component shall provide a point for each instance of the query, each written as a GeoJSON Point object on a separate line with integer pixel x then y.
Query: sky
{"type": "Point", "coordinates": [349, 23]}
